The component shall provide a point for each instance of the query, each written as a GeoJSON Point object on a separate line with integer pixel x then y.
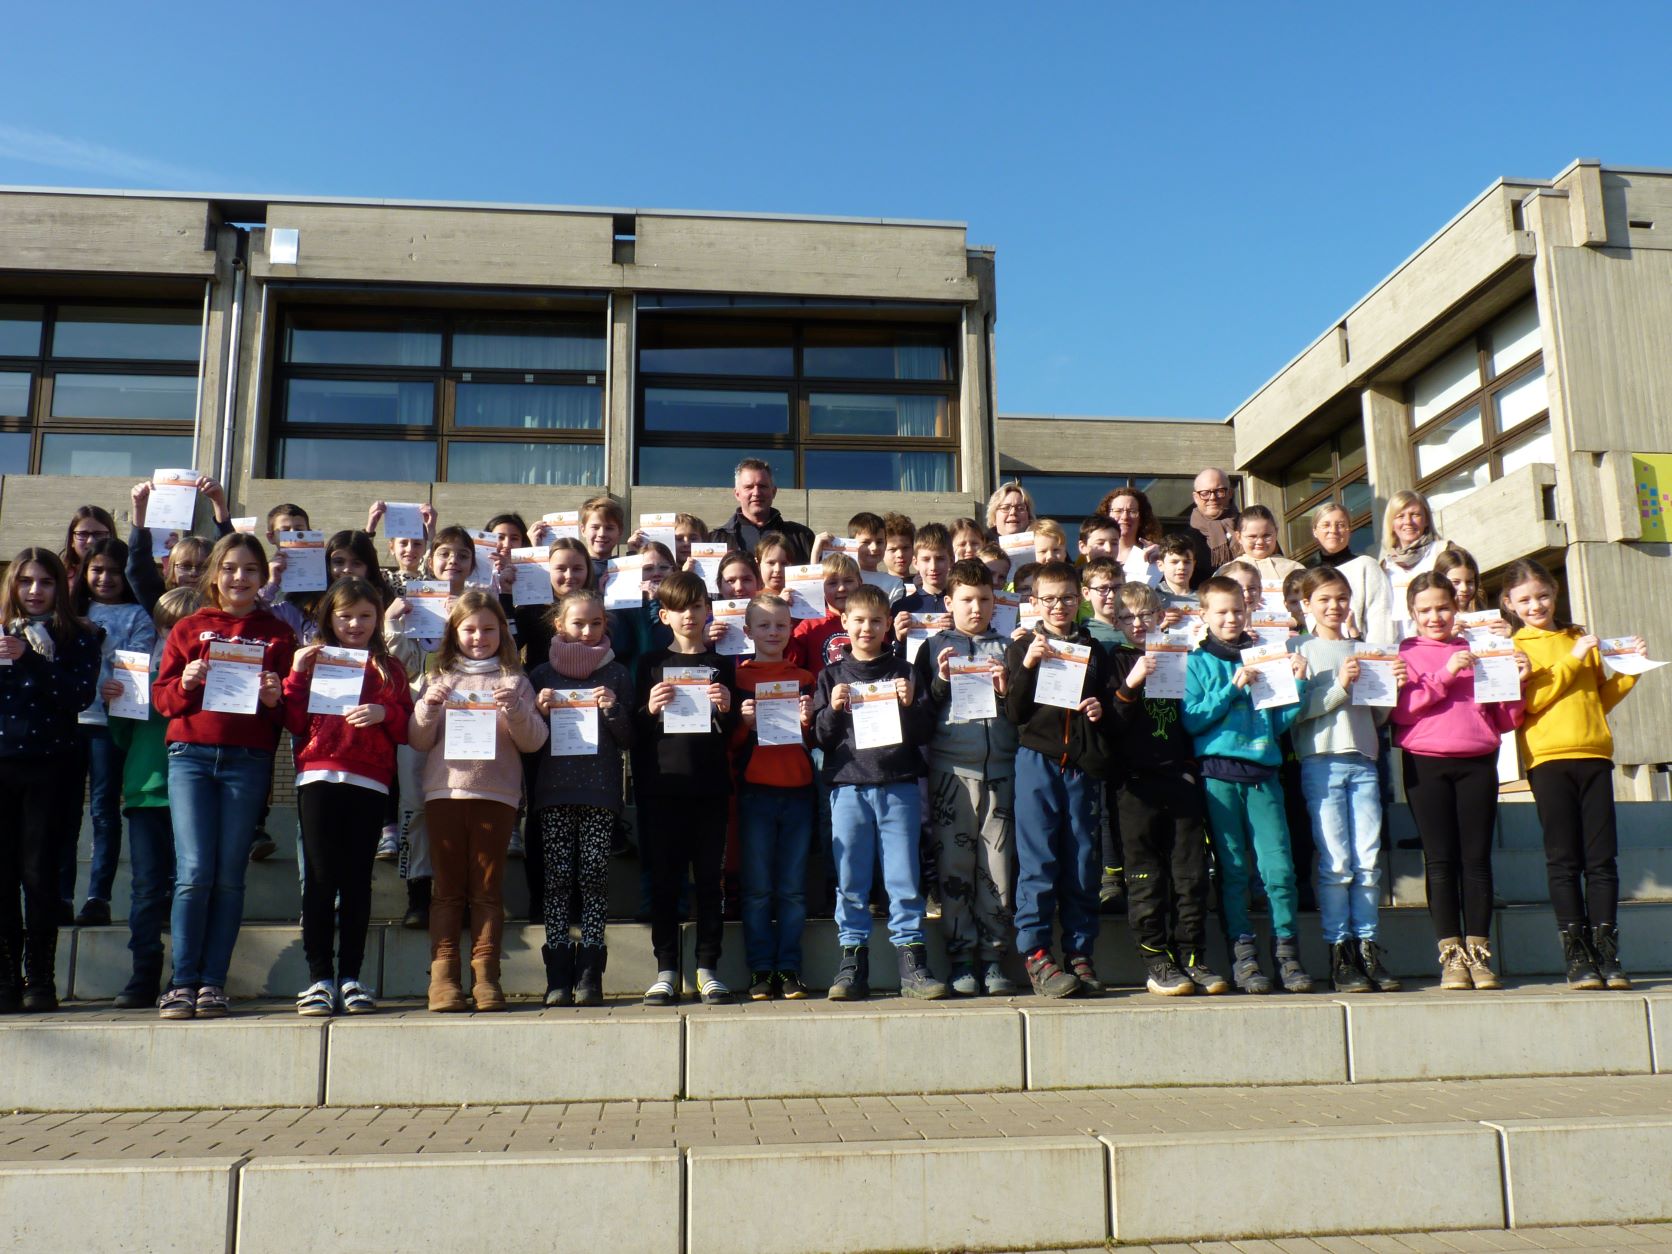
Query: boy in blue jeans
{"type": "Point", "coordinates": [874, 806]}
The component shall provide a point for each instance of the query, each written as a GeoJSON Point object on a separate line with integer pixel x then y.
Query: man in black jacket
{"type": "Point", "coordinates": [755, 491]}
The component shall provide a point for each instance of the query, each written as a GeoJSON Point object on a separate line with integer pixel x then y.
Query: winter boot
{"type": "Point", "coordinates": [1454, 965]}
{"type": "Point", "coordinates": [1370, 962]}
{"type": "Point", "coordinates": [417, 915]}
{"type": "Point", "coordinates": [560, 974]}
{"type": "Point", "coordinates": [485, 991]}
{"type": "Point", "coordinates": [1581, 963]}
{"type": "Point", "coordinates": [1344, 973]}
{"type": "Point", "coordinates": [40, 959]}
{"type": "Point", "coordinates": [1245, 967]}
{"type": "Point", "coordinates": [853, 975]}
{"type": "Point", "coordinates": [1481, 973]}
{"type": "Point", "coordinates": [916, 980]}
{"type": "Point", "coordinates": [1285, 956]}
{"type": "Point", "coordinates": [446, 993]}
{"type": "Point", "coordinates": [142, 989]}
{"type": "Point", "coordinates": [1605, 944]}
{"type": "Point", "coordinates": [589, 974]}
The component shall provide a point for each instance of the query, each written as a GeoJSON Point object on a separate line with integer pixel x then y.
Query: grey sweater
{"type": "Point", "coordinates": [594, 780]}
{"type": "Point", "coordinates": [1328, 721]}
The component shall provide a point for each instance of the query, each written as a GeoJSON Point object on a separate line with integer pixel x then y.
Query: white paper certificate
{"type": "Point", "coordinates": [304, 561]}
{"type": "Point", "coordinates": [805, 586]}
{"type": "Point", "coordinates": [173, 500]}
{"type": "Point", "coordinates": [427, 602]}
{"type": "Point", "coordinates": [564, 522]}
{"type": "Point", "coordinates": [339, 676]}
{"type": "Point", "coordinates": [707, 558]}
{"type": "Point", "coordinates": [1190, 622]}
{"type": "Point", "coordinates": [1496, 678]}
{"type": "Point", "coordinates": [472, 726]}
{"type": "Point", "coordinates": [876, 714]}
{"type": "Point", "coordinates": [623, 580]}
{"type": "Point", "coordinates": [246, 526]}
{"type": "Point", "coordinates": [920, 627]}
{"type": "Point", "coordinates": [1029, 613]}
{"type": "Point", "coordinates": [1270, 627]}
{"type": "Point", "coordinates": [973, 696]}
{"type": "Point", "coordinates": [1062, 674]}
{"type": "Point", "coordinates": [1019, 548]}
{"type": "Point", "coordinates": [1169, 652]}
{"type": "Point", "coordinates": [234, 683]}
{"type": "Point", "coordinates": [729, 614]}
{"type": "Point", "coordinates": [1375, 684]}
{"type": "Point", "coordinates": [1475, 626]}
{"type": "Point", "coordinates": [481, 570]}
{"type": "Point", "coordinates": [574, 723]}
{"type": "Point", "coordinates": [1139, 569]}
{"type": "Point", "coordinates": [659, 528]}
{"type": "Point", "coordinates": [133, 671]}
{"type": "Point", "coordinates": [1006, 613]}
{"type": "Point", "coordinates": [690, 712]}
{"type": "Point", "coordinates": [402, 521]}
{"type": "Point", "coordinates": [778, 712]}
{"type": "Point", "coordinates": [1274, 676]}
{"type": "Point", "coordinates": [531, 581]}
{"type": "Point", "coordinates": [1619, 657]}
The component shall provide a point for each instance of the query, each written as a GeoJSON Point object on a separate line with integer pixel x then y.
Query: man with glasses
{"type": "Point", "coordinates": [1213, 523]}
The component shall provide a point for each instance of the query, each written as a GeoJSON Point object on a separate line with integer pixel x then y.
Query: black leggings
{"type": "Point", "coordinates": [1455, 804]}
{"type": "Point", "coordinates": [1575, 798]}
{"type": "Point", "coordinates": [340, 827]}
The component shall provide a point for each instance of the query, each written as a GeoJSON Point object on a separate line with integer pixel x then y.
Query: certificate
{"type": "Point", "coordinates": [234, 683]}
{"type": "Point", "coordinates": [1139, 569]}
{"type": "Point", "coordinates": [1375, 684]}
{"type": "Point", "coordinates": [574, 723]}
{"type": "Point", "coordinates": [729, 614]}
{"type": "Point", "coordinates": [778, 712]}
{"type": "Point", "coordinates": [339, 675]}
{"type": "Point", "coordinates": [974, 698]}
{"type": "Point", "coordinates": [1029, 613]}
{"type": "Point", "coordinates": [304, 561]}
{"type": "Point", "coordinates": [876, 714]}
{"type": "Point", "coordinates": [564, 522]}
{"type": "Point", "coordinates": [403, 521]}
{"type": "Point", "coordinates": [848, 546]}
{"type": "Point", "coordinates": [472, 726]}
{"type": "Point", "coordinates": [919, 627]}
{"type": "Point", "coordinates": [1170, 655]}
{"type": "Point", "coordinates": [690, 712]}
{"type": "Point", "coordinates": [1475, 626]}
{"type": "Point", "coordinates": [659, 529]}
{"type": "Point", "coordinates": [481, 570]}
{"type": "Point", "coordinates": [133, 671]}
{"type": "Point", "coordinates": [1496, 678]}
{"type": "Point", "coordinates": [1270, 626]}
{"type": "Point", "coordinates": [246, 526]}
{"type": "Point", "coordinates": [173, 500]}
{"type": "Point", "coordinates": [428, 602]}
{"type": "Point", "coordinates": [805, 587]}
{"type": "Point", "coordinates": [1062, 674]}
{"type": "Point", "coordinates": [707, 557]}
{"type": "Point", "coordinates": [1019, 548]}
{"type": "Point", "coordinates": [1271, 594]}
{"type": "Point", "coordinates": [531, 581]}
{"type": "Point", "coordinates": [1006, 613]}
{"type": "Point", "coordinates": [1190, 622]}
{"type": "Point", "coordinates": [1274, 676]}
{"type": "Point", "coordinates": [624, 582]}
{"type": "Point", "coordinates": [1619, 657]}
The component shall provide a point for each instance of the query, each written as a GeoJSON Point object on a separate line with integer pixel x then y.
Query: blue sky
{"type": "Point", "coordinates": [1181, 195]}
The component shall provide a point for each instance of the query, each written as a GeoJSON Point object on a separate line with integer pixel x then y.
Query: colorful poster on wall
{"type": "Point", "coordinates": [1653, 475]}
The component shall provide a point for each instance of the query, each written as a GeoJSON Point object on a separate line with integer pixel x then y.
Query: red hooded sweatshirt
{"type": "Point", "coordinates": [326, 742]}
{"type": "Point", "coordinates": [189, 641]}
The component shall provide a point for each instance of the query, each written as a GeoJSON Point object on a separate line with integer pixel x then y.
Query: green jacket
{"type": "Point", "coordinates": [145, 771]}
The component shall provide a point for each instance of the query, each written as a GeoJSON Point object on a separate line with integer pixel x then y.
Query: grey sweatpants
{"type": "Point", "coordinates": [973, 832]}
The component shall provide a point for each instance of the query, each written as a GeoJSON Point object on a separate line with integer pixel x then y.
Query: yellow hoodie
{"type": "Point", "coordinates": [1567, 699]}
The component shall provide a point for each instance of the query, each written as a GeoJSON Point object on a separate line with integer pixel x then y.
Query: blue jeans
{"type": "Point", "coordinates": [151, 851]}
{"type": "Point", "coordinates": [1058, 844]}
{"type": "Point", "coordinates": [217, 793]}
{"type": "Point", "coordinates": [1344, 798]}
{"type": "Point", "coordinates": [873, 823]}
{"type": "Point", "coordinates": [102, 762]}
{"type": "Point", "coordinates": [775, 831]}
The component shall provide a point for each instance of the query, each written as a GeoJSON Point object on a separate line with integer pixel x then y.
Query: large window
{"type": "Point", "coordinates": [1070, 498]}
{"type": "Point", "coordinates": [1332, 473]}
{"type": "Point", "coordinates": [1481, 411]}
{"type": "Point", "coordinates": [830, 405]}
{"type": "Point", "coordinates": [463, 397]}
{"type": "Point", "coordinates": [97, 389]}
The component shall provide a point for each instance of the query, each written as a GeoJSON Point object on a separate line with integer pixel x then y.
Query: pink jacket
{"type": "Point", "coordinates": [1436, 714]}
{"type": "Point", "coordinates": [520, 731]}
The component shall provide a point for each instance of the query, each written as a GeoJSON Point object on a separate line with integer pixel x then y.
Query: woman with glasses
{"type": "Point", "coordinates": [1009, 509]}
{"type": "Point", "coordinates": [1138, 546]}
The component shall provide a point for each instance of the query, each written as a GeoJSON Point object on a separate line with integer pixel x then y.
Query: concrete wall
{"type": "Point", "coordinates": [1148, 446]}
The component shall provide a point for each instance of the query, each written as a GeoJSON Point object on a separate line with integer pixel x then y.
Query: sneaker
{"type": "Point", "coordinates": [1581, 963]}
{"type": "Point", "coordinates": [760, 986]}
{"type": "Point", "coordinates": [1481, 974]}
{"type": "Point", "coordinates": [1344, 973]}
{"type": "Point", "coordinates": [997, 983]}
{"type": "Point", "coordinates": [1454, 967]}
{"type": "Point", "coordinates": [1245, 967]}
{"type": "Point", "coordinates": [853, 975]}
{"type": "Point", "coordinates": [1204, 978]}
{"type": "Point", "coordinates": [1079, 966]}
{"type": "Point", "coordinates": [916, 980]}
{"type": "Point", "coordinates": [178, 1003]}
{"type": "Point", "coordinates": [389, 843]}
{"type": "Point", "coordinates": [95, 913]}
{"type": "Point", "coordinates": [1047, 978]}
{"type": "Point", "coordinates": [712, 989]}
{"type": "Point", "coordinates": [262, 846]}
{"type": "Point", "coordinates": [961, 979]}
{"type": "Point", "coordinates": [1111, 891]}
{"type": "Point", "coordinates": [790, 987]}
{"type": "Point", "coordinates": [1370, 962]}
{"type": "Point", "coordinates": [1605, 944]}
{"type": "Point", "coordinates": [212, 1002]}
{"type": "Point", "coordinates": [662, 992]}
{"type": "Point", "coordinates": [355, 999]}
{"type": "Point", "coordinates": [318, 1000]}
{"type": "Point", "coordinates": [1165, 977]}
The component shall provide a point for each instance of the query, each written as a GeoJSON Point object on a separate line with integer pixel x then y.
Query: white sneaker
{"type": "Point", "coordinates": [389, 844]}
{"type": "Point", "coordinates": [318, 1000]}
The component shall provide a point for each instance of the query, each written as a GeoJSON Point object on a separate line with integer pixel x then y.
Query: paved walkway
{"type": "Point", "coordinates": [1634, 1237]}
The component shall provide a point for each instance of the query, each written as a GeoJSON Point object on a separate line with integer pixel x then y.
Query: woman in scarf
{"type": "Point", "coordinates": [1409, 547]}
{"type": "Point", "coordinates": [1370, 615]}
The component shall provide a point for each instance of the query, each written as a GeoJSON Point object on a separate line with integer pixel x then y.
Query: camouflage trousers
{"type": "Point", "coordinates": [972, 832]}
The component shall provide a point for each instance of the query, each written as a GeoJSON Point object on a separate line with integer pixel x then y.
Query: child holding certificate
{"type": "Point", "coordinates": [345, 764]}
{"type": "Point", "coordinates": [476, 715]}
{"type": "Point", "coordinates": [1569, 752]}
{"type": "Point", "coordinates": [1450, 742]}
{"type": "Point", "coordinates": [575, 796]}
{"type": "Point", "coordinates": [219, 683]}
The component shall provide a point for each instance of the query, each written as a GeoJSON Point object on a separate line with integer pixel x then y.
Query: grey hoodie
{"type": "Point", "coordinates": [985, 749]}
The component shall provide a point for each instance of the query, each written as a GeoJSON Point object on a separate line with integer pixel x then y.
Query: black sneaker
{"type": "Point", "coordinates": [95, 913]}
{"type": "Point", "coordinates": [760, 986]}
{"type": "Point", "coordinates": [1344, 973]}
{"type": "Point", "coordinates": [1605, 944]}
{"type": "Point", "coordinates": [1111, 891]}
{"type": "Point", "coordinates": [853, 975]}
{"type": "Point", "coordinates": [1370, 962]}
{"type": "Point", "coordinates": [1165, 977]}
{"type": "Point", "coordinates": [916, 980]}
{"type": "Point", "coordinates": [263, 846]}
{"type": "Point", "coordinates": [790, 987]}
{"type": "Point", "coordinates": [1205, 978]}
{"type": "Point", "coordinates": [1079, 966]}
{"type": "Point", "coordinates": [1047, 978]}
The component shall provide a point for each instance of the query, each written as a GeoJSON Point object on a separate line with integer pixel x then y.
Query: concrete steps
{"type": "Point", "coordinates": [1518, 875]}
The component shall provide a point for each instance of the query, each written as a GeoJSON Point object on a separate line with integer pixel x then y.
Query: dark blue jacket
{"type": "Point", "coordinates": [39, 700]}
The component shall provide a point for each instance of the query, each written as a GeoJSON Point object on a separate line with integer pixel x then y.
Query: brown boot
{"type": "Point", "coordinates": [1454, 965]}
{"type": "Point", "coordinates": [446, 994]}
{"type": "Point", "coordinates": [486, 989]}
{"type": "Point", "coordinates": [1480, 963]}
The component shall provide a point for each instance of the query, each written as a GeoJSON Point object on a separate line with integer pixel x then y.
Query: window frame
{"type": "Point", "coordinates": [1332, 493]}
{"type": "Point", "coordinates": [1494, 437]}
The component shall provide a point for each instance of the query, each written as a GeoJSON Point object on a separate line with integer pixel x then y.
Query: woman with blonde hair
{"type": "Point", "coordinates": [1409, 547]}
{"type": "Point", "coordinates": [1009, 509]}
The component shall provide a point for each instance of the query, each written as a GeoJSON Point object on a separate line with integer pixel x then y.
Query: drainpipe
{"type": "Point", "coordinates": [234, 332]}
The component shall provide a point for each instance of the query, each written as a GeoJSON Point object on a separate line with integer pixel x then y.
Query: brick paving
{"type": "Point", "coordinates": [1633, 1237]}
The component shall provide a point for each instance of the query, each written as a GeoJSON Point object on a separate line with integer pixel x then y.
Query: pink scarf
{"type": "Point", "coordinates": [577, 661]}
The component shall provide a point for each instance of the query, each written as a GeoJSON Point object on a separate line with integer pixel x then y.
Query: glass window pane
{"type": "Point", "coordinates": [1535, 446]}
{"type": "Point", "coordinates": [20, 330]}
{"type": "Point", "coordinates": [1349, 446]}
{"type": "Point", "coordinates": [1449, 441]}
{"type": "Point", "coordinates": [135, 334]}
{"type": "Point", "coordinates": [139, 396]}
{"type": "Point", "coordinates": [1169, 496]}
{"type": "Point", "coordinates": [1522, 399]}
{"type": "Point", "coordinates": [314, 340]}
{"type": "Point", "coordinates": [727, 413]}
{"type": "Point", "coordinates": [677, 346]}
{"type": "Point", "coordinates": [893, 472]}
{"type": "Point", "coordinates": [1363, 539]}
{"type": "Point", "coordinates": [836, 352]}
{"type": "Point", "coordinates": [1457, 485]}
{"type": "Point", "coordinates": [375, 402]}
{"type": "Point", "coordinates": [1444, 383]}
{"type": "Point", "coordinates": [1067, 496]}
{"type": "Point", "coordinates": [1514, 337]}
{"type": "Point", "coordinates": [695, 467]}
{"type": "Point", "coordinates": [835, 413]}
{"type": "Point", "coordinates": [528, 344]}
{"type": "Point", "coordinates": [310, 458]}
{"type": "Point", "coordinates": [1357, 497]}
{"type": "Point", "coordinates": [579, 464]}
{"type": "Point", "coordinates": [14, 395]}
{"type": "Point", "coordinates": [535, 406]}
{"type": "Point", "coordinates": [14, 453]}
{"type": "Point", "coordinates": [127, 456]}
{"type": "Point", "coordinates": [1309, 476]}
{"type": "Point", "coordinates": [1298, 536]}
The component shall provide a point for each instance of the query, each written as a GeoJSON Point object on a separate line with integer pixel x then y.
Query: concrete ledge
{"type": "Point", "coordinates": [1190, 1041]}
{"type": "Point", "coordinates": [522, 1203]}
{"type": "Point", "coordinates": [149, 1206]}
{"type": "Point", "coordinates": [1660, 1031]}
{"type": "Point", "coordinates": [1529, 943]}
{"type": "Point", "coordinates": [149, 1064]}
{"type": "Point", "coordinates": [853, 1051]}
{"type": "Point", "coordinates": [897, 1195]}
{"type": "Point", "coordinates": [525, 1056]}
{"type": "Point", "coordinates": [1588, 1171]}
{"type": "Point", "coordinates": [1211, 1186]}
{"type": "Point", "coordinates": [1482, 1034]}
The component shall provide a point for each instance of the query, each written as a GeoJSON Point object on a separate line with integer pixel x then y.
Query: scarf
{"type": "Point", "coordinates": [1408, 555]}
{"type": "Point", "coordinates": [574, 660]}
{"type": "Point", "coordinates": [476, 666]}
{"type": "Point", "coordinates": [1220, 533]}
{"type": "Point", "coordinates": [1226, 652]}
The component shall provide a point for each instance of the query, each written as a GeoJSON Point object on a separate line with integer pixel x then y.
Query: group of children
{"type": "Point", "coordinates": [1032, 753]}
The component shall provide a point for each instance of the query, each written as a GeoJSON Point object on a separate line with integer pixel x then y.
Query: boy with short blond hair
{"type": "Point", "coordinates": [1101, 580]}
{"type": "Point", "coordinates": [602, 521]}
{"type": "Point", "coordinates": [816, 642]}
{"type": "Point", "coordinates": [1050, 541]}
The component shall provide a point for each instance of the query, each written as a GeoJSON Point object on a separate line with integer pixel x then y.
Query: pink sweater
{"type": "Point", "coordinates": [520, 731]}
{"type": "Point", "coordinates": [1436, 714]}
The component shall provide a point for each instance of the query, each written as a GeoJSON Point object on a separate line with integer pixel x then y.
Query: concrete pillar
{"type": "Point", "coordinates": [1387, 444]}
{"type": "Point", "coordinates": [618, 404]}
